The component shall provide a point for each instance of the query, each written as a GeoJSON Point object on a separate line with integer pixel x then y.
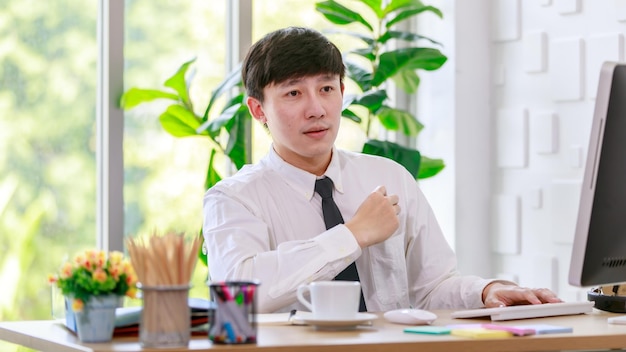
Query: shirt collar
{"type": "Point", "coordinates": [303, 182]}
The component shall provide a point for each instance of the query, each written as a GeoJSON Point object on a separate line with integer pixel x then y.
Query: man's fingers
{"type": "Point", "coordinates": [382, 190]}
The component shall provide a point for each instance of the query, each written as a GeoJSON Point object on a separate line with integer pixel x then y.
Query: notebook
{"type": "Point", "coordinates": [527, 311]}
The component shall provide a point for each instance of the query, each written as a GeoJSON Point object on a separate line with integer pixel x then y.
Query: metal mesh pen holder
{"type": "Point", "coordinates": [165, 318]}
{"type": "Point", "coordinates": [234, 321]}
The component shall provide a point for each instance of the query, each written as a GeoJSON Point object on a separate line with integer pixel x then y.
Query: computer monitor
{"type": "Point", "coordinates": [599, 249]}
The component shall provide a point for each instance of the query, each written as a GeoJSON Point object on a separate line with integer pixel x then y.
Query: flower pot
{"type": "Point", "coordinates": [96, 321]}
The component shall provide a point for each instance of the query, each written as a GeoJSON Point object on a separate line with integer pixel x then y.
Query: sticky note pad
{"type": "Point", "coordinates": [428, 329]}
{"type": "Point", "coordinates": [547, 328]}
{"type": "Point", "coordinates": [515, 330]}
{"type": "Point", "coordinates": [481, 333]}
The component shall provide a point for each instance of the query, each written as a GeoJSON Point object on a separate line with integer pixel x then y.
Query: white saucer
{"type": "Point", "coordinates": [334, 324]}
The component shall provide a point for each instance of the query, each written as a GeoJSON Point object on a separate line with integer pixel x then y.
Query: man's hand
{"type": "Point", "coordinates": [498, 294]}
{"type": "Point", "coordinates": [376, 219]}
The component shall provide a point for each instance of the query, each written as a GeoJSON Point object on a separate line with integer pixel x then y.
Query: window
{"type": "Point", "coordinates": [48, 55]}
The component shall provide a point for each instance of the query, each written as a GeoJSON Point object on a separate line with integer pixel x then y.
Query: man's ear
{"type": "Point", "coordinates": [256, 109]}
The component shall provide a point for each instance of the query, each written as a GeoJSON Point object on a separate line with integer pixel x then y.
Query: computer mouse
{"type": "Point", "coordinates": [410, 316]}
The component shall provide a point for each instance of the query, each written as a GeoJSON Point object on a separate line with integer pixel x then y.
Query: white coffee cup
{"type": "Point", "coordinates": [334, 300]}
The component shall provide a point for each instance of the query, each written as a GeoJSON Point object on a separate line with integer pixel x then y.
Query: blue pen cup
{"type": "Point", "coordinates": [234, 318]}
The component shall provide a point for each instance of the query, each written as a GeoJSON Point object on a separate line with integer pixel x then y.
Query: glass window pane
{"type": "Point", "coordinates": [48, 57]}
{"type": "Point", "coordinates": [164, 175]}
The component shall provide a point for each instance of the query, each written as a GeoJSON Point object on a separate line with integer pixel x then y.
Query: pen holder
{"type": "Point", "coordinates": [234, 321]}
{"type": "Point", "coordinates": [165, 317]}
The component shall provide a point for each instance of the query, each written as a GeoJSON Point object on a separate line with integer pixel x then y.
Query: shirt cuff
{"type": "Point", "coordinates": [339, 243]}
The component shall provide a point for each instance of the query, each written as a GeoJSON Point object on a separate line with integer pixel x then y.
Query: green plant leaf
{"type": "Point", "coordinates": [367, 53]}
{"type": "Point", "coordinates": [231, 108]}
{"type": "Point", "coordinates": [179, 83]}
{"type": "Point", "coordinates": [406, 36]}
{"type": "Point", "coordinates": [212, 176]}
{"type": "Point", "coordinates": [349, 114]}
{"type": "Point", "coordinates": [359, 75]}
{"type": "Point", "coordinates": [376, 6]}
{"type": "Point", "coordinates": [407, 59]}
{"type": "Point", "coordinates": [394, 5]}
{"type": "Point", "coordinates": [430, 167]}
{"type": "Point", "coordinates": [409, 158]}
{"type": "Point", "coordinates": [372, 100]}
{"type": "Point", "coordinates": [231, 81]}
{"type": "Point", "coordinates": [339, 14]}
{"type": "Point", "coordinates": [399, 120]}
{"type": "Point", "coordinates": [403, 15]}
{"type": "Point", "coordinates": [407, 80]}
{"type": "Point", "coordinates": [179, 122]}
{"type": "Point", "coordinates": [236, 147]}
{"type": "Point", "coordinates": [136, 96]}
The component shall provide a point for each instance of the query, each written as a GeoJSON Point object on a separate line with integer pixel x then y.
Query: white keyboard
{"type": "Point", "coordinates": [527, 311]}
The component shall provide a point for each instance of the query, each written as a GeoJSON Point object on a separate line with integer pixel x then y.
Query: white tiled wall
{"type": "Point", "coordinates": [543, 63]}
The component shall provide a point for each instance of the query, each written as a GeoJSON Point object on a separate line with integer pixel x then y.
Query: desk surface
{"type": "Point", "coordinates": [591, 331]}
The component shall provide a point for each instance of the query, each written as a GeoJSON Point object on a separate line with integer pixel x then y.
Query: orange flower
{"type": "Point", "coordinates": [132, 292]}
{"type": "Point", "coordinates": [52, 279]}
{"type": "Point", "coordinates": [77, 305]}
{"type": "Point", "coordinates": [116, 257]}
{"type": "Point", "coordinates": [66, 270]}
{"type": "Point", "coordinates": [100, 259]}
{"type": "Point", "coordinates": [115, 270]}
{"type": "Point", "coordinates": [99, 275]}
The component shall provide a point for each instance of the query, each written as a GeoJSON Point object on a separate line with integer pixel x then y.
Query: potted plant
{"type": "Point", "coordinates": [93, 283]}
{"type": "Point", "coordinates": [386, 65]}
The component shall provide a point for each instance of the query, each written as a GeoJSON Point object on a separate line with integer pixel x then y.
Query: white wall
{"type": "Point", "coordinates": [511, 113]}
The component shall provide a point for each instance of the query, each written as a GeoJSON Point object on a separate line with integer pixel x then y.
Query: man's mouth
{"type": "Point", "coordinates": [316, 132]}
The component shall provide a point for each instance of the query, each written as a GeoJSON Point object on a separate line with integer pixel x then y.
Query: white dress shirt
{"type": "Point", "coordinates": [265, 223]}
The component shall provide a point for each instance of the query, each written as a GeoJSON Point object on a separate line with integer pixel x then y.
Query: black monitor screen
{"type": "Point", "coordinates": [599, 249]}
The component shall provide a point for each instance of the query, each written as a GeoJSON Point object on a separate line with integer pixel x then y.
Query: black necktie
{"type": "Point", "coordinates": [332, 218]}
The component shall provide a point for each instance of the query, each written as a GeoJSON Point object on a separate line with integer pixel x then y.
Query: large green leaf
{"type": "Point", "coordinates": [359, 75]}
{"type": "Point", "coordinates": [349, 114]}
{"type": "Point", "coordinates": [236, 147]}
{"type": "Point", "coordinates": [430, 167]}
{"type": "Point", "coordinates": [372, 100]}
{"type": "Point", "coordinates": [231, 81]}
{"type": "Point", "coordinates": [339, 14]}
{"type": "Point", "coordinates": [226, 116]}
{"type": "Point", "coordinates": [406, 14]}
{"type": "Point", "coordinates": [394, 5]}
{"type": "Point", "coordinates": [409, 158]}
{"type": "Point", "coordinates": [136, 96]}
{"type": "Point", "coordinates": [368, 53]}
{"type": "Point", "coordinates": [376, 6]}
{"type": "Point", "coordinates": [407, 80]}
{"type": "Point", "coordinates": [399, 120]}
{"type": "Point", "coordinates": [407, 59]}
{"type": "Point", "coordinates": [178, 82]}
{"type": "Point", "coordinates": [179, 121]}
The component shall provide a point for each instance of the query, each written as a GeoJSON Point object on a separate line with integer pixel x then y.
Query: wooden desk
{"type": "Point", "coordinates": [591, 332]}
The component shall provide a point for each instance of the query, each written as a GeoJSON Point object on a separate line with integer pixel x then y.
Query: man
{"type": "Point", "coordinates": [266, 222]}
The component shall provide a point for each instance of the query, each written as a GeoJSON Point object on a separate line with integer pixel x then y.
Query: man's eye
{"type": "Point", "coordinates": [293, 93]}
{"type": "Point", "coordinates": [327, 89]}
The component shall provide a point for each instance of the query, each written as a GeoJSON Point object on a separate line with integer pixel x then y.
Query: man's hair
{"type": "Point", "coordinates": [289, 53]}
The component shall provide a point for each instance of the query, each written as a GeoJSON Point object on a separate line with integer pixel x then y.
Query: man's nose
{"type": "Point", "coordinates": [315, 107]}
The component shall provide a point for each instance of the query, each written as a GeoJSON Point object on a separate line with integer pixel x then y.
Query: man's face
{"type": "Point", "coordinates": [303, 116]}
